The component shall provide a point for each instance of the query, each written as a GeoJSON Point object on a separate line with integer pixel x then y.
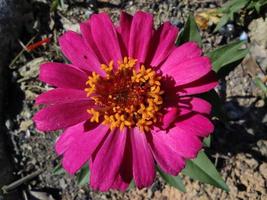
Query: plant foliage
{"type": "Point", "coordinates": [233, 7]}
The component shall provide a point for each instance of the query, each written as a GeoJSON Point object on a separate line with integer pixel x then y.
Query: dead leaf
{"type": "Point", "coordinates": [207, 17]}
{"type": "Point", "coordinates": [25, 125]}
{"type": "Point", "coordinates": [41, 195]}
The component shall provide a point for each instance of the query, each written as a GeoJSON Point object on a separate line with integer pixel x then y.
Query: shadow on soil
{"type": "Point", "coordinates": [242, 134]}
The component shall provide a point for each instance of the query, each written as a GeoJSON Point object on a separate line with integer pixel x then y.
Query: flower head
{"type": "Point", "coordinates": [126, 102]}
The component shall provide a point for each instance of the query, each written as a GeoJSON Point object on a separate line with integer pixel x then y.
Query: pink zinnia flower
{"type": "Point", "coordinates": [125, 102]}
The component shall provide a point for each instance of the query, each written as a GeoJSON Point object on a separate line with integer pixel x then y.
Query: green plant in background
{"type": "Point", "coordinates": [262, 85]}
{"type": "Point", "coordinates": [55, 4]}
{"type": "Point", "coordinates": [233, 7]}
{"type": "Point", "coordinates": [256, 4]}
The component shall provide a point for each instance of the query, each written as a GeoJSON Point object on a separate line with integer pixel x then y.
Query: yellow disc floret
{"type": "Point", "coordinates": [127, 96]}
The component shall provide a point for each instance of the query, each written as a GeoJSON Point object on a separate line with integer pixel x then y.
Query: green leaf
{"type": "Point", "coordinates": [238, 5]}
{"type": "Point", "coordinates": [261, 85]}
{"type": "Point", "coordinates": [132, 185]}
{"type": "Point", "coordinates": [207, 141]}
{"type": "Point", "coordinates": [229, 10]}
{"type": "Point", "coordinates": [226, 7]}
{"type": "Point", "coordinates": [54, 5]}
{"type": "Point", "coordinates": [227, 54]}
{"type": "Point", "coordinates": [58, 170]}
{"type": "Point", "coordinates": [258, 7]}
{"type": "Point", "coordinates": [221, 23]}
{"type": "Point", "coordinates": [263, 2]}
{"type": "Point", "coordinates": [251, 5]}
{"type": "Point", "coordinates": [190, 32]}
{"type": "Point", "coordinates": [233, 6]}
{"type": "Point", "coordinates": [83, 175]}
{"type": "Point", "coordinates": [202, 169]}
{"type": "Point", "coordinates": [174, 181]}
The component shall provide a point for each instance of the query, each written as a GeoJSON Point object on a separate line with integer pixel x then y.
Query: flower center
{"type": "Point", "coordinates": [125, 97]}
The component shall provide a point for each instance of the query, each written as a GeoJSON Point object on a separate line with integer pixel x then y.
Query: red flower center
{"type": "Point", "coordinates": [125, 96]}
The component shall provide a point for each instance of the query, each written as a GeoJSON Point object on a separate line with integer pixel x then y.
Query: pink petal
{"type": "Point", "coordinates": [62, 75]}
{"type": "Point", "coordinates": [120, 184]}
{"type": "Point", "coordinates": [164, 42]}
{"type": "Point", "coordinates": [196, 124]}
{"type": "Point", "coordinates": [185, 144]}
{"type": "Point", "coordinates": [183, 112]}
{"type": "Point", "coordinates": [167, 159]}
{"type": "Point", "coordinates": [74, 48]}
{"type": "Point", "coordinates": [195, 104]}
{"type": "Point", "coordinates": [140, 36]}
{"type": "Point", "coordinates": [62, 115]}
{"type": "Point", "coordinates": [65, 140]}
{"type": "Point", "coordinates": [183, 106]}
{"type": "Point", "coordinates": [204, 84]}
{"type": "Point", "coordinates": [88, 38]}
{"type": "Point", "coordinates": [125, 174]}
{"type": "Point", "coordinates": [189, 70]}
{"type": "Point", "coordinates": [181, 54]}
{"type": "Point", "coordinates": [124, 31]}
{"type": "Point", "coordinates": [105, 37]}
{"type": "Point", "coordinates": [60, 95]}
{"type": "Point", "coordinates": [81, 145]}
{"type": "Point", "coordinates": [143, 162]}
{"type": "Point", "coordinates": [108, 161]}
{"type": "Point", "coordinates": [169, 117]}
